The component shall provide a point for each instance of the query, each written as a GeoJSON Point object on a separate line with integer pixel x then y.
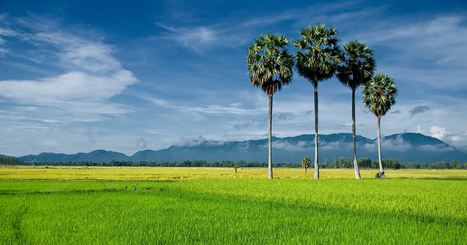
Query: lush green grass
{"type": "Point", "coordinates": [235, 211]}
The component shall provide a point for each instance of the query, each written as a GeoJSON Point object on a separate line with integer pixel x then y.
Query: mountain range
{"type": "Point", "coordinates": [405, 147]}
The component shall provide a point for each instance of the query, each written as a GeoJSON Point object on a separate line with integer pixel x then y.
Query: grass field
{"type": "Point", "coordinates": [167, 173]}
{"type": "Point", "coordinates": [217, 206]}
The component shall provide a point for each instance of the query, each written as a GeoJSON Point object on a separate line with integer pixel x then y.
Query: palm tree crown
{"type": "Point", "coordinates": [269, 63]}
{"type": "Point", "coordinates": [379, 94]}
{"type": "Point", "coordinates": [358, 65]}
{"type": "Point", "coordinates": [321, 56]}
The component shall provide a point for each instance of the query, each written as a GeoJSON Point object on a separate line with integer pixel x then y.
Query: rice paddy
{"type": "Point", "coordinates": [217, 206]}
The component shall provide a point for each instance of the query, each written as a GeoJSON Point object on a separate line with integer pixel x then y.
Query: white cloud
{"type": "Point", "coordinates": [90, 74]}
{"type": "Point", "coordinates": [438, 35]}
{"type": "Point", "coordinates": [233, 109]}
{"type": "Point", "coordinates": [195, 38]}
{"type": "Point", "coordinates": [95, 57]}
{"type": "Point", "coordinates": [67, 87]}
{"type": "Point", "coordinates": [191, 142]}
{"type": "Point", "coordinates": [336, 145]}
{"type": "Point", "coordinates": [397, 144]}
{"type": "Point", "coordinates": [438, 148]}
{"type": "Point", "coordinates": [285, 145]}
{"type": "Point", "coordinates": [456, 138]}
{"type": "Point", "coordinates": [241, 125]}
{"type": "Point", "coordinates": [420, 130]}
{"type": "Point", "coordinates": [438, 132]}
{"type": "Point", "coordinates": [371, 147]}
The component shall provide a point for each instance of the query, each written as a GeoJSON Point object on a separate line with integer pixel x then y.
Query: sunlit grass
{"type": "Point", "coordinates": [227, 211]}
{"type": "Point", "coordinates": [172, 173]}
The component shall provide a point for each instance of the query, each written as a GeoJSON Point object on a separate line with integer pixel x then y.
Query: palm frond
{"type": "Point", "coordinates": [269, 62]}
{"type": "Point", "coordinates": [379, 94]}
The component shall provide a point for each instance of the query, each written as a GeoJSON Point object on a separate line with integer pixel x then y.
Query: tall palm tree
{"type": "Point", "coordinates": [270, 66]}
{"type": "Point", "coordinates": [379, 95]}
{"type": "Point", "coordinates": [357, 69]}
{"type": "Point", "coordinates": [317, 62]}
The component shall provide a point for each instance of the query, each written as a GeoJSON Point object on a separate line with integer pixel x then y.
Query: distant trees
{"type": "Point", "coordinates": [306, 163]}
{"type": "Point", "coordinates": [357, 69]}
{"type": "Point", "coordinates": [379, 95]}
{"type": "Point", "coordinates": [270, 67]}
{"type": "Point", "coordinates": [341, 162]}
{"type": "Point", "coordinates": [8, 161]}
{"type": "Point", "coordinates": [317, 60]}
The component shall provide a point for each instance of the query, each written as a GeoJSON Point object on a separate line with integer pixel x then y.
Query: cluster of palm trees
{"type": "Point", "coordinates": [318, 58]}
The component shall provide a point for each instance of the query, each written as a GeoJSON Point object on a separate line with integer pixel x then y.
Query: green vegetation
{"type": "Point", "coordinates": [379, 95]}
{"type": "Point", "coordinates": [340, 162]}
{"type": "Point", "coordinates": [226, 211]}
{"type": "Point", "coordinates": [11, 161]}
{"type": "Point", "coordinates": [306, 163]}
{"type": "Point", "coordinates": [357, 69]}
{"type": "Point", "coordinates": [195, 204]}
{"type": "Point", "coordinates": [270, 67]}
{"type": "Point", "coordinates": [317, 62]}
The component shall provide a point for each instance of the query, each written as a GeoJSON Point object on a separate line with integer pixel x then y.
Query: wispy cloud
{"type": "Point", "coordinates": [192, 142]}
{"type": "Point", "coordinates": [438, 35]}
{"type": "Point", "coordinates": [67, 87]}
{"type": "Point", "coordinates": [195, 38]}
{"type": "Point", "coordinates": [233, 109]}
{"type": "Point", "coordinates": [241, 125]}
{"type": "Point", "coordinates": [427, 48]}
{"type": "Point", "coordinates": [91, 74]}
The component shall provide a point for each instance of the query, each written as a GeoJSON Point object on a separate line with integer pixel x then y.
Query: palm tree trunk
{"type": "Point", "coordinates": [379, 149]}
{"type": "Point", "coordinates": [316, 130]}
{"type": "Point", "coordinates": [270, 138]}
{"type": "Point", "coordinates": [355, 164]}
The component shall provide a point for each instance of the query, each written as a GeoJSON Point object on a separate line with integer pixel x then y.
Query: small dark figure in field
{"type": "Point", "coordinates": [134, 186]}
{"type": "Point", "coordinates": [125, 187]}
{"type": "Point", "coordinates": [380, 175]}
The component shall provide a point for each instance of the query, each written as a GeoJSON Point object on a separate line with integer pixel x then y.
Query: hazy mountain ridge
{"type": "Point", "coordinates": [406, 147]}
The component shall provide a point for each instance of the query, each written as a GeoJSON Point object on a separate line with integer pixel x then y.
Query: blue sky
{"type": "Point", "coordinates": [125, 76]}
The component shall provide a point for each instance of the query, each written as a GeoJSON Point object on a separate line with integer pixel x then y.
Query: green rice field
{"type": "Point", "coordinates": [217, 206]}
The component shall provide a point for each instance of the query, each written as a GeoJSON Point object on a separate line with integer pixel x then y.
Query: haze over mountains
{"type": "Point", "coordinates": [406, 147]}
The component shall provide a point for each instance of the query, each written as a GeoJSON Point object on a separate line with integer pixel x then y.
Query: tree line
{"type": "Point", "coordinates": [339, 163]}
{"type": "Point", "coordinates": [8, 161]}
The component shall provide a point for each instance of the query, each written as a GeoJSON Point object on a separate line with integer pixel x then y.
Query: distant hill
{"type": "Point", "coordinates": [95, 156]}
{"type": "Point", "coordinates": [406, 147]}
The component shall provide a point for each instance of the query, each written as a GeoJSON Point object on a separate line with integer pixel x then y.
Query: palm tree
{"type": "Point", "coordinates": [318, 62]}
{"type": "Point", "coordinates": [357, 69]}
{"type": "Point", "coordinates": [306, 163]}
{"type": "Point", "coordinates": [270, 66]}
{"type": "Point", "coordinates": [379, 95]}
